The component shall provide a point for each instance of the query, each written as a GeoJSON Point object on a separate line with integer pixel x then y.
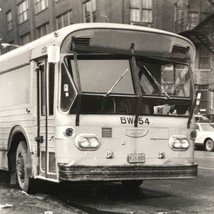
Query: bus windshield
{"type": "Point", "coordinates": [156, 77]}
{"type": "Point", "coordinates": [99, 75]}
{"type": "Point", "coordinates": [163, 78]}
{"type": "Point", "coordinates": [108, 80]}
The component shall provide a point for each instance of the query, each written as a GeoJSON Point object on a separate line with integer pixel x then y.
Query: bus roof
{"type": "Point", "coordinates": [24, 54]}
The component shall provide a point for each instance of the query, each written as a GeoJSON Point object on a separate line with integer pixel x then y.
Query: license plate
{"type": "Point", "coordinates": [136, 158]}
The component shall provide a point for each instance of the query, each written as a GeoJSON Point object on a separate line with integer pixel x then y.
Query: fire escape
{"type": "Point", "coordinates": [201, 32]}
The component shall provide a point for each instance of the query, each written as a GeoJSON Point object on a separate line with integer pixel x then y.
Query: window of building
{"type": "Point", "coordinates": [179, 19]}
{"type": "Point", "coordinates": [141, 11]}
{"type": "Point", "coordinates": [193, 19]}
{"type": "Point", "coordinates": [9, 18]}
{"type": "Point", "coordinates": [23, 11]}
{"type": "Point", "coordinates": [204, 58]}
{"type": "Point", "coordinates": [206, 9]}
{"type": "Point", "coordinates": [64, 19]}
{"type": "Point", "coordinates": [179, 14]}
{"type": "Point", "coordinates": [89, 11]}
{"type": "Point", "coordinates": [42, 30]}
{"type": "Point", "coordinates": [40, 5]}
{"type": "Point", "coordinates": [212, 30]}
{"type": "Point", "coordinates": [25, 39]}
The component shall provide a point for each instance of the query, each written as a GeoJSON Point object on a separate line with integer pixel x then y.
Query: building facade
{"type": "Point", "coordinates": [22, 21]}
{"type": "Point", "coordinates": [26, 20]}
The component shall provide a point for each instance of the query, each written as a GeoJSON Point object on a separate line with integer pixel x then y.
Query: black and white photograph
{"type": "Point", "coordinates": [106, 106]}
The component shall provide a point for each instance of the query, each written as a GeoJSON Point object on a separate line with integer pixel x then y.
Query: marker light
{"type": "Point", "coordinates": [193, 134]}
{"type": "Point", "coordinates": [87, 142]}
{"type": "Point", "coordinates": [179, 143]}
{"type": "Point", "coordinates": [68, 132]}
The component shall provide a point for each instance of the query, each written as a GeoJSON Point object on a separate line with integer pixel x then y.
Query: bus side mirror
{"type": "Point", "coordinates": [53, 54]}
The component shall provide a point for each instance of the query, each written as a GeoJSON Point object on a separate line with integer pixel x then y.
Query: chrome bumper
{"type": "Point", "coordinates": [132, 172]}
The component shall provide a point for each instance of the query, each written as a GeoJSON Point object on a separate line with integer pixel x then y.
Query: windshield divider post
{"type": "Point", "coordinates": [79, 101]}
{"type": "Point", "coordinates": [137, 84]}
{"type": "Point", "coordinates": [76, 64]}
{"type": "Point", "coordinates": [193, 97]}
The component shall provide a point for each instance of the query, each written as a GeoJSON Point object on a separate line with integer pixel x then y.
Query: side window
{"type": "Point", "coordinates": [67, 90]}
{"type": "Point", "coordinates": [50, 94]}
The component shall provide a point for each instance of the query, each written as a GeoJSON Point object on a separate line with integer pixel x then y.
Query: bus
{"type": "Point", "coordinates": [98, 102]}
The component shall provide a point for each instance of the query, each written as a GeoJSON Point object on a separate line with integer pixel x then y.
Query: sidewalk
{"type": "Point", "coordinates": [15, 201]}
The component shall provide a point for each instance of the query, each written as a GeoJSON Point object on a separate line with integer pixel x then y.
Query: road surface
{"type": "Point", "coordinates": [161, 197]}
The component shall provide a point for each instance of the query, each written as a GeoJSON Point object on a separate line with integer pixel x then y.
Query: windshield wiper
{"type": "Point", "coordinates": [156, 82]}
{"type": "Point", "coordinates": [115, 84]}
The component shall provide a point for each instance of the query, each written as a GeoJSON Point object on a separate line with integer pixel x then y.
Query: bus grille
{"type": "Point", "coordinates": [106, 132]}
{"type": "Point", "coordinates": [180, 49]}
{"type": "Point", "coordinates": [82, 41]}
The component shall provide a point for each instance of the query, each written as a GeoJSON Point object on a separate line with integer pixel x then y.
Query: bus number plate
{"type": "Point", "coordinates": [136, 158]}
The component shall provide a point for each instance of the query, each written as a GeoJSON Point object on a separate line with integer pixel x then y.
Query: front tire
{"type": "Point", "coordinates": [22, 161]}
{"type": "Point", "coordinates": [209, 145]}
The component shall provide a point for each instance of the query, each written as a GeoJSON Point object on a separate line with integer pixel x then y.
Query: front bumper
{"type": "Point", "coordinates": [118, 173]}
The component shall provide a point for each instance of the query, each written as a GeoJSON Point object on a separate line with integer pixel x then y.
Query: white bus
{"type": "Point", "coordinates": [98, 102]}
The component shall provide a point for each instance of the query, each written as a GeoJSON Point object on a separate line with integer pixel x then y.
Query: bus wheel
{"type": "Point", "coordinates": [209, 145]}
{"type": "Point", "coordinates": [133, 184]}
{"type": "Point", "coordinates": [21, 167]}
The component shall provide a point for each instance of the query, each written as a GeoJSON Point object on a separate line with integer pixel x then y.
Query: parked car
{"type": "Point", "coordinates": [199, 118]}
{"type": "Point", "coordinates": [205, 136]}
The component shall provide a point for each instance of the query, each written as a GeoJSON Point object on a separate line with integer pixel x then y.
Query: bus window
{"type": "Point", "coordinates": [98, 75]}
{"type": "Point", "coordinates": [170, 80]}
{"type": "Point", "coordinates": [160, 77]}
{"type": "Point", "coordinates": [67, 90]}
{"type": "Point", "coordinates": [149, 77]}
{"type": "Point", "coordinates": [43, 110]}
{"type": "Point", "coordinates": [176, 79]}
{"type": "Point", "coordinates": [51, 88]}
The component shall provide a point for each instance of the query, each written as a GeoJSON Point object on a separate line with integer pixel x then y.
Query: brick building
{"type": "Point", "coordinates": [22, 21]}
{"type": "Point", "coordinates": [26, 20]}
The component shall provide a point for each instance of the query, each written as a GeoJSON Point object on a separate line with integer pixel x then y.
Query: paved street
{"type": "Point", "coordinates": [183, 196]}
{"type": "Point", "coordinates": [175, 196]}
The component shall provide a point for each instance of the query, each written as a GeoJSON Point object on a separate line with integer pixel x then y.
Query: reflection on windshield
{"type": "Point", "coordinates": [166, 79]}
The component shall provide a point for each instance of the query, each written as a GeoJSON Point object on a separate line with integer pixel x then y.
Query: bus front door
{"type": "Point", "coordinates": [45, 120]}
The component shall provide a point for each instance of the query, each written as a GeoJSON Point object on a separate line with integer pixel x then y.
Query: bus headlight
{"type": "Point", "coordinates": [87, 142]}
{"type": "Point", "coordinates": [94, 142]}
{"type": "Point", "coordinates": [83, 142]}
{"type": "Point", "coordinates": [185, 143]}
{"type": "Point", "coordinates": [179, 143]}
